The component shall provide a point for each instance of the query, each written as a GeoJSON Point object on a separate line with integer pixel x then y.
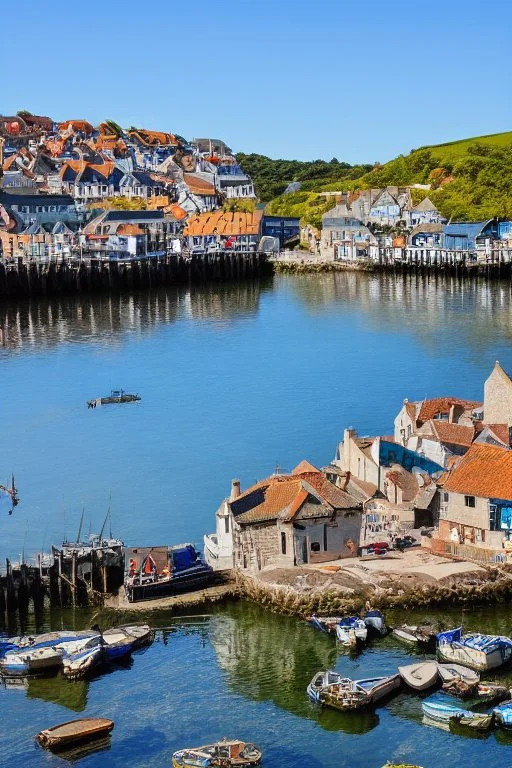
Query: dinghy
{"type": "Point", "coordinates": [346, 694]}
{"type": "Point", "coordinates": [476, 651]}
{"type": "Point", "coordinates": [30, 661]}
{"type": "Point", "coordinates": [436, 710]}
{"type": "Point", "coordinates": [138, 634]}
{"type": "Point", "coordinates": [323, 623]}
{"type": "Point", "coordinates": [419, 676]}
{"type": "Point", "coordinates": [350, 631]}
{"type": "Point", "coordinates": [450, 672]}
{"type": "Point", "coordinates": [74, 731]}
{"type": "Point", "coordinates": [45, 640]}
{"type": "Point", "coordinates": [423, 635]}
{"type": "Point", "coordinates": [225, 753]}
{"type": "Point", "coordinates": [320, 681]}
{"type": "Point", "coordinates": [503, 714]}
{"type": "Point", "coordinates": [375, 622]}
{"type": "Point", "coordinates": [76, 666]}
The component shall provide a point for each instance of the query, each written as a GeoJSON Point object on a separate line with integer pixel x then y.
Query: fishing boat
{"type": "Point", "coordinates": [30, 661]}
{"type": "Point", "coordinates": [476, 651]}
{"type": "Point", "coordinates": [75, 731]}
{"type": "Point", "coordinates": [183, 570]}
{"type": "Point", "coordinates": [503, 714]}
{"type": "Point", "coordinates": [375, 622]}
{"type": "Point", "coordinates": [420, 676]}
{"type": "Point", "coordinates": [320, 681]}
{"type": "Point", "coordinates": [423, 635]}
{"type": "Point", "coordinates": [347, 694]}
{"type": "Point", "coordinates": [116, 396]}
{"type": "Point", "coordinates": [117, 646]}
{"type": "Point", "coordinates": [351, 630]}
{"type": "Point", "coordinates": [81, 664]}
{"type": "Point", "coordinates": [436, 710]}
{"type": "Point", "coordinates": [225, 753]}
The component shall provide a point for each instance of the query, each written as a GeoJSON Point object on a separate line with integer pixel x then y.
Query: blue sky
{"type": "Point", "coordinates": [362, 81]}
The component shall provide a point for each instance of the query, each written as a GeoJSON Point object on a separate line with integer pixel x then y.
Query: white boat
{"type": "Point", "coordinates": [80, 664]}
{"type": "Point", "coordinates": [450, 673]}
{"type": "Point", "coordinates": [423, 635]}
{"type": "Point", "coordinates": [476, 651]}
{"type": "Point", "coordinates": [419, 676]}
{"type": "Point", "coordinates": [44, 640]}
{"type": "Point", "coordinates": [350, 631]}
{"type": "Point", "coordinates": [30, 661]}
{"type": "Point", "coordinates": [320, 681]}
{"type": "Point", "coordinates": [346, 694]}
{"type": "Point", "coordinates": [375, 622]}
{"type": "Point", "coordinates": [138, 634]}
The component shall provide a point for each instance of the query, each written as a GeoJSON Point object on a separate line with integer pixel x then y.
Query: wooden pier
{"type": "Point", "coordinates": [21, 278]}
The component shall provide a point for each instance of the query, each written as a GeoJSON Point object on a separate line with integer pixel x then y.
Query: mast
{"type": "Point", "coordinates": [80, 526]}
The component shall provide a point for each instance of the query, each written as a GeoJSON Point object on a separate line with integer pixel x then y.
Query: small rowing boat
{"type": "Point", "coordinates": [138, 634]}
{"type": "Point", "coordinates": [346, 694]}
{"type": "Point", "coordinates": [350, 631]}
{"type": "Point", "coordinates": [320, 681]}
{"type": "Point", "coordinates": [503, 714]}
{"type": "Point", "coordinates": [457, 672]}
{"type": "Point", "coordinates": [76, 666]}
{"type": "Point", "coordinates": [30, 661]}
{"type": "Point", "coordinates": [75, 731]}
{"type": "Point", "coordinates": [420, 676]}
{"type": "Point", "coordinates": [116, 396]}
{"type": "Point", "coordinates": [423, 635]}
{"type": "Point", "coordinates": [323, 623]}
{"type": "Point", "coordinates": [225, 754]}
{"type": "Point", "coordinates": [476, 651]}
{"type": "Point", "coordinates": [436, 710]}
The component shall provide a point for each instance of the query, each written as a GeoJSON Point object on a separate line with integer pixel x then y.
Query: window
{"type": "Point", "coordinates": [445, 496]}
{"type": "Point", "coordinates": [441, 416]}
{"type": "Point", "coordinates": [283, 543]}
{"type": "Point", "coordinates": [315, 546]}
{"type": "Point", "coordinates": [226, 524]}
{"type": "Point", "coordinates": [325, 538]}
{"type": "Point", "coordinates": [470, 501]}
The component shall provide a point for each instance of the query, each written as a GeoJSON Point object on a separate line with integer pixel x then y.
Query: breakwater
{"type": "Point", "coordinates": [22, 279]}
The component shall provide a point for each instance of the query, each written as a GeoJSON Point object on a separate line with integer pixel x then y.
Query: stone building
{"type": "Point", "coordinates": [498, 397]}
{"type": "Point", "coordinates": [285, 520]}
{"type": "Point", "coordinates": [476, 499]}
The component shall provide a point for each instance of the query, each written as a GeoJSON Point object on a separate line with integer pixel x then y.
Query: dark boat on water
{"type": "Point", "coordinates": [153, 572]}
{"type": "Point", "coordinates": [116, 396]}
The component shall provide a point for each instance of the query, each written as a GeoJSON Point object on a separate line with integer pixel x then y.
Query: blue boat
{"type": "Point", "coordinates": [45, 640]}
{"type": "Point", "coordinates": [446, 713]}
{"type": "Point", "coordinates": [503, 714]}
{"type": "Point", "coordinates": [476, 651]}
{"type": "Point", "coordinates": [184, 570]}
{"type": "Point", "coordinates": [351, 630]}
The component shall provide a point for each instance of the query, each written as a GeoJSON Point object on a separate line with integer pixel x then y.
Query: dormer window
{"type": "Point", "coordinates": [441, 416]}
{"type": "Point", "coordinates": [470, 501]}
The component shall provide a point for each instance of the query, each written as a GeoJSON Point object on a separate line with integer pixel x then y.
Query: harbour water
{"type": "Point", "coordinates": [235, 380]}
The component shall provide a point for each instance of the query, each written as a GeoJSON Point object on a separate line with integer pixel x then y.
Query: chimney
{"type": "Point", "coordinates": [235, 490]}
{"type": "Point", "coordinates": [348, 434]}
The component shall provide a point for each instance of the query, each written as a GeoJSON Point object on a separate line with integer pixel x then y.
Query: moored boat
{"type": "Point", "coordinates": [476, 651]}
{"type": "Point", "coordinates": [76, 666]}
{"type": "Point", "coordinates": [116, 396]}
{"type": "Point", "coordinates": [442, 712]}
{"type": "Point", "coordinates": [320, 681]}
{"type": "Point", "coordinates": [457, 672]}
{"type": "Point", "coordinates": [139, 634]}
{"type": "Point", "coordinates": [347, 694]}
{"type": "Point", "coordinates": [420, 676]}
{"type": "Point", "coordinates": [225, 753]}
{"type": "Point", "coordinates": [181, 570]}
{"type": "Point", "coordinates": [375, 622]}
{"type": "Point", "coordinates": [45, 640]}
{"type": "Point", "coordinates": [503, 714]}
{"type": "Point", "coordinates": [30, 661]}
{"type": "Point", "coordinates": [351, 630]}
{"type": "Point", "coordinates": [74, 731]}
{"type": "Point", "coordinates": [423, 635]}
{"type": "Point", "coordinates": [323, 623]}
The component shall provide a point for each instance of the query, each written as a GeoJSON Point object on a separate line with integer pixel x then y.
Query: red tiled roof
{"type": "Point", "coordinates": [267, 499]}
{"type": "Point", "coordinates": [224, 223]}
{"type": "Point", "coordinates": [485, 471]}
{"type": "Point", "coordinates": [454, 434]}
{"type": "Point", "coordinates": [429, 408]}
{"type": "Point", "coordinates": [500, 432]}
{"type": "Point", "coordinates": [328, 492]}
{"type": "Point", "coordinates": [304, 466]}
{"type": "Point", "coordinates": [410, 409]}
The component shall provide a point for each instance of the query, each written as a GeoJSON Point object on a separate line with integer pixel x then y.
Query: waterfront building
{"type": "Point", "coordinates": [346, 238]}
{"type": "Point", "coordinates": [285, 228]}
{"type": "Point", "coordinates": [423, 213]}
{"type": "Point", "coordinates": [285, 520]}
{"type": "Point", "coordinates": [470, 236]}
{"type": "Point", "coordinates": [426, 235]}
{"type": "Point", "coordinates": [28, 208]}
{"type": "Point", "coordinates": [476, 500]}
{"type": "Point", "coordinates": [222, 230]}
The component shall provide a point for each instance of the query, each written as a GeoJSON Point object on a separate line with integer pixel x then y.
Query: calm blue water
{"type": "Point", "coordinates": [234, 381]}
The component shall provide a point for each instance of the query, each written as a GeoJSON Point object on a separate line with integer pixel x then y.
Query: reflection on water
{"type": "Point", "coordinates": [243, 672]}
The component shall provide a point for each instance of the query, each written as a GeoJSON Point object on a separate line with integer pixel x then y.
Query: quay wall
{"type": "Point", "coordinates": [22, 279]}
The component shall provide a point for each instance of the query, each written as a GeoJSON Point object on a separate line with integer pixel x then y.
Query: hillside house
{"type": "Point", "coordinates": [285, 520]}
{"type": "Point", "coordinates": [345, 238]}
{"type": "Point", "coordinates": [426, 236]}
{"type": "Point", "coordinates": [224, 230]}
{"type": "Point", "coordinates": [423, 213]}
{"type": "Point", "coordinates": [476, 499]}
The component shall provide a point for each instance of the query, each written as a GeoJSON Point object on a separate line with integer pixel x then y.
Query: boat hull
{"type": "Point", "coordinates": [471, 657]}
{"type": "Point", "coordinates": [30, 661]}
{"type": "Point", "coordinates": [74, 732]}
{"type": "Point", "coordinates": [420, 676]}
{"type": "Point", "coordinates": [358, 694]}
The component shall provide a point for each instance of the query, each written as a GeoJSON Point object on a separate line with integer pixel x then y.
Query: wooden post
{"type": "Point", "coordinates": [61, 564]}
{"type": "Point", "coordinates": [105, 579]}
{"type": "Point", "coordinates": [73, 577]}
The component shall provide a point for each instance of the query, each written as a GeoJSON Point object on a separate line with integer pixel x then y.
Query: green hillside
{"type": "Point", "coordinates": [470, 179]}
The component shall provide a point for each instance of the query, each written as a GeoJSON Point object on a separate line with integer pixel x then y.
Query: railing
{"type": "Point", "coordinates": [480, 555]}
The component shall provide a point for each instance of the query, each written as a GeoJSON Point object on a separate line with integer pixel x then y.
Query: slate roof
{"type": "Point", "coordinates": [470, 229]}
{"type": "Point", "coordinates": [134, 216]}
{"type": "Point", "coordinates": [484, 471]}
{"type": "Point", "coordinates": [427, 229]}
{"type": "Point", "coordinates": [425, 205]}
{"type": "Point", "coordinates": [8, 199]}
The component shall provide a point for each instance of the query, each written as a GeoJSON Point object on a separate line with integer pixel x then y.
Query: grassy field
{"type": "Point", "coordinates": [451, 151]}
